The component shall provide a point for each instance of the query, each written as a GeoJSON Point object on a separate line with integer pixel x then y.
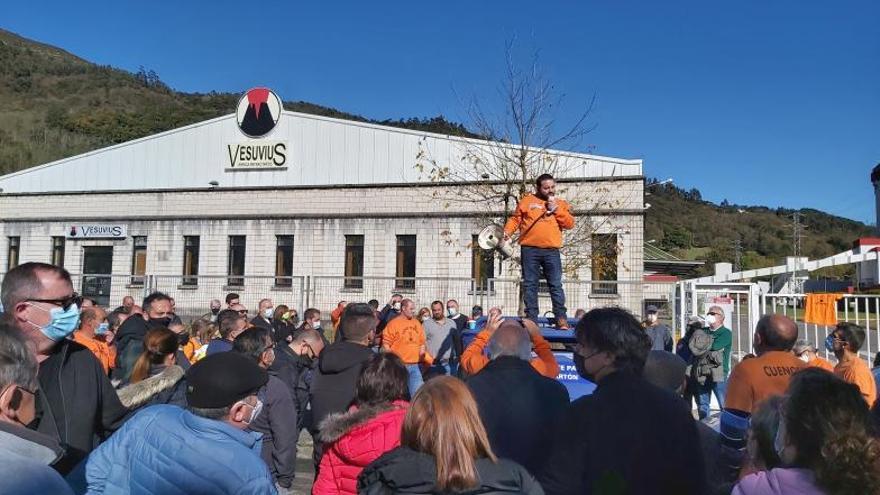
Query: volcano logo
{"type": "Point", "coordinates": [258, 112]}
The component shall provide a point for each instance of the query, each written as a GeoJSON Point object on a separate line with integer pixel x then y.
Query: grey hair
{"type": "Point", "coordinates": [803, 345]}
{"type": "Point", "coordinates": [217, 413]}
{"type": "Point", "coordinates": [18, 365]}
{"type": "Point", "coordinates": [510, 340]}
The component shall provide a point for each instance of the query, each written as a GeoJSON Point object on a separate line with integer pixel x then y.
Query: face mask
{"type": "Point", "coordinates": [62, 324]}
{"type": "Point", "coordinates": [268, 313]}
{"type": "Point", "coordinates": [316, 325]}
{"type": "Point", "coordinates": [804, 358]}
{"type": "Point", "coordinates": [102, 329]}
{"type": "Point", "coordinates": [396, 306]}
{"type": "Point", "coordinates": [652, 318]}
{"type": "Point", "coordinates": [255, 411]}
{"type": "Point", "coordinates": [182, 339]}
{"type": "Point", "coordinates": [215, 311]}
{"type": "Point", "coordinates": [160, 322]}
{"type": "Point", "coordinates": [829, 343]}
{"type": "Point", "coordinates": [582, 369]}
{"type": "Point", "coordinates": [452, 312]}
{"type": "Point", "coordinates": [710, 320]}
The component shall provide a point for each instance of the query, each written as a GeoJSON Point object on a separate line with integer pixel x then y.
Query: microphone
{"type": "Point", "coordinates": [549, 211]}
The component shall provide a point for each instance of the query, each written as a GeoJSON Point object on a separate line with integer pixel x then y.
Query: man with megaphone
{"type": "Point", "coordinates": [540, 218]}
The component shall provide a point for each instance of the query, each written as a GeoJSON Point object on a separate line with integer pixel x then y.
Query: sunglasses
{"type": "Point", "coordinates": [65, 302]}
{"type": "Point", "coordinates": [242, 311]}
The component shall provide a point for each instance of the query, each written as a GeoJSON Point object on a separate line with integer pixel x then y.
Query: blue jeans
{"type": "Point", "coordinates": [538, 262]}
{"type": "Point", "coordinates": [415, 378]}
{"type": "Point", "coordinates": [704, 396]}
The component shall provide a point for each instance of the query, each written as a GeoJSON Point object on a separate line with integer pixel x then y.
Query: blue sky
{"type": "Point", "coordinates": [771, 103]}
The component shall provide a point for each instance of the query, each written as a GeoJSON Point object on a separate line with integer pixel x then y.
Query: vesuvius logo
{"type": "Point", "coordinates": [258, 112]}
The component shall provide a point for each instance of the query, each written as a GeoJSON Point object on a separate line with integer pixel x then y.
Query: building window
{"type": "Point", "coordinates": [604, 263]}
{"type": "Point", "coordinates": [235, 269]}
{"type": "Point", "coordinates": [482, 265]}
{"type": "Point", "coordinates": [191, 260]}
{"type": "Point", "coordinates": [284, 261]}
{"type": "Point", "coordinates": [406, 263]}
{"type": "Point", "coordinates": [12, 255]}
{"type": "Point", "coordinates": [58, 251]}
{"type": "Point", "coordinates": [139, 259]}
{"type": "Point", "coordinates": [354, 261]}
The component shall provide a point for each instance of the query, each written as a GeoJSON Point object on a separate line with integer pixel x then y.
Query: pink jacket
{"type": "Point", "coordinates": [353, 440]}
{"type": "Point", "coordinates": [779, 481]}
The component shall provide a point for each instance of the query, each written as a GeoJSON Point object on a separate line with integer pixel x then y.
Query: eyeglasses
{"type": "Point", "coordinates": [65, 302]}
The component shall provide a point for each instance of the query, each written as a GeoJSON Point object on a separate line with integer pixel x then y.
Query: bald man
{"type": "Point", "coordinates": [754, 380]}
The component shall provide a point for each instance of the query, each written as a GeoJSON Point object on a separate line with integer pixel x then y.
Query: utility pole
{"type": "Point", "coordinates": [797, 236]}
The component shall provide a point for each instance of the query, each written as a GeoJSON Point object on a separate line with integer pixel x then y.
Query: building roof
{"type": "Point", "coordinates": [319, 151]}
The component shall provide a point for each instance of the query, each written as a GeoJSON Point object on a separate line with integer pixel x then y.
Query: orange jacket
{"type": "Point", "coordinates": [473, 359]}
{"type": "Point", "coordinates": [106, 354]}
{"type": "Point", "coordinates": [547, 232]}
{"type": "Point", "coordinates": [406, 338]}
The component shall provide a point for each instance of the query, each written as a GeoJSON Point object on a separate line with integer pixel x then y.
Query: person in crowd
{"type": "Point", "coordinates": [230, 324]}
{"type": "Point", "coordinates": [845, 342]}
{"type": "Point", "coordinates": [202, 449]}
{"type": "Point", "coordinates": [423, 314]}
{"type": "Point", "coordinates": [130, 338]}
{"type": "Point", "coordinates": [265, 313]}
{"type": "Point", "coordinates": [294, 365]}
{"type": "Point", "coordinates": [24, 454]}
{"type": "Point", "coordinates": [540, 218]}
{"type": "Point", "coordinates": [190, 343]}
{"type": "Point", "coordinates": [440, 340]}
{"type": "Point", "coordinates": [807, 353]}
{"type": "Point", "coordinates": [232, 299]}
{"type": "Point", "coordinates": [156, 378]}
{"type": "Point", "coordinates": [444, 449]}
{"type": "Point", "coordinates": [137, 310]}
{"type": "Point", "coordinates": [768, 374]}
{"type": "Point", "coordinates": [660, 334]}
{"type": "Point", "coordinates": [669, 371]}
{"type": "Point", "coordinates": [825, 441]}
{"type": "Point", "coordinates": [336, 314]}
{"type": "Point", "coordinates": [374, 303]}
{"type": "Point", "coordinates": [389, 312]}
{"type": "Point", "coordinates": [473, 359]}
{"type": "Point", "coordinates": [127, 303]}
{"type": "Point", "coordinates": [241, 310]}
{"type": "Point", "coordinates": [277, 420]}
{"type": "Point", "coordinates": [88, 302]}
{"type": "Point", "coordinates": [92, 333]}
{"type": "Point", "coordinates": [115, 319]}
{"type": "Point", "coordinates": [761, 453]}
{"type": "Point", "coordinates": [368, 429]}
{"type": "Point", "coordinates": [176, 325]}
{"type": "Point", "coordinates": [282, 324]}
{"type": "Point", "coordinates": [405, 337]}
{"type": "Point", "coordinates": [211, 315]}
{"type": "Point", "coordinates": [203, 331]}
{"type": "Point", "coordinates": [311, 320]}
{"type": "Point", "coordinates": [517, 403]}
{"type": "Point", "coordinates": [335, 380]}
{"type": "Point", "coordinates": [77, 402]}
{"type": "Point", "coordinates": [461, 322]}
{"type": "Point", "coordinates": [604, 443]}
{"type": "Point", "coordinates": [476, 313]}
{"type": "Point", "coordinates": [715, 380]}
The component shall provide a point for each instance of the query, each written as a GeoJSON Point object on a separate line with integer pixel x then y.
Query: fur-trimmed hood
{"type": "Point", "coordinates": [140, 393]}
{"type": "Point", "coordinates": [338, 425]}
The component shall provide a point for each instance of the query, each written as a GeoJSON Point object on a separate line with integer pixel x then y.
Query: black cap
{"type": "Point", "coordinates": [222, 379]}
{"type": "Point", "coordinates": [651, 309]}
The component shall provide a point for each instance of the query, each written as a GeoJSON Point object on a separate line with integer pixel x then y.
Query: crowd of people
{"type": "Point", "coordinates": [401, 400]}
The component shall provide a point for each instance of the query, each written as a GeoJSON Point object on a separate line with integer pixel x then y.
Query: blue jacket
{"type": "Point", "coordinates": [166, 449]}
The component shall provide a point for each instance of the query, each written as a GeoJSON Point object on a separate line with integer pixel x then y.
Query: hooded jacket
{"type": "Point", "coordinates": [28, 454]}
{"type": "Point", "coordinates": [76, 404]}
{"type": "Point", "coordinates": [779, 481]}
{"type": "Point", "coordinates": [355, 439]}
{"type": "Point", "coordinates": [165, 385]}
{"type": "Point", "coordinates": [405, 471]}
{"type": "Point", "coordinates": [335, 381]}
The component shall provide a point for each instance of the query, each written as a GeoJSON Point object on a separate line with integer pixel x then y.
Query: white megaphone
{"type": "Point", "coordinates": [492, 237]}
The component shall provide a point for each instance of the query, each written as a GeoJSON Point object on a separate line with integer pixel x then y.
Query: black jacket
{"type": "Point", "coordinates": [628, 436]}
{"type": "Point", "coordinates": [386, 314]}
{"type": "Point", "coordinates": [129, 345]}
{"type": "Point", "coordinates": [258, 321]}
{"type": "Point", "coordinates": [457, 343]}
{"type": "Point", "coordinates": [76, 403]}
{"type": "Point", "coordinates": [517, 404]}
{"type": "Point", "coordinates": [403, 470]}
{"type": "Point", "coordinates": [335, 381]}
{"type": "Point", "coordinates": [296, 372]}
{"type": "Point", "coordinates": [283, 331]}
{"type": "Point", "coordinates": [277, 423]}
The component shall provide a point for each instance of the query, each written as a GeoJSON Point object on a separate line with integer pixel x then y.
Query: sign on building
{"type": "Point", "coordinates": [257, 116]}
{"type": "Point", "coordinates": [97, 231]}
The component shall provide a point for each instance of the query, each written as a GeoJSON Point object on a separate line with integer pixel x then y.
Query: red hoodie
{"type": "Point", "coordinates": [356, 439]}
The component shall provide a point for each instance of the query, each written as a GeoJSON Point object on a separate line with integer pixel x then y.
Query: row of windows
{"type": "Point", "coordinates": [604, 260]}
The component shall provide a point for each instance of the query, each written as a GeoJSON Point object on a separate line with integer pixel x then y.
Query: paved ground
{"type": "Point", "coordinates": [305, 471]}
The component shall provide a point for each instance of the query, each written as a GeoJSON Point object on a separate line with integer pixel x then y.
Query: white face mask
{"type": "Point", "coordinates": [652, 317]}
{"type": "Point", "coordinates": [396, 306]}
{"type": "Point", "coordinates": [710, 320]}
{"type": "Point", "coordinates": [452, 312]}
{"type": "Point", "coordinates": [803, 357]}
{"type": "Point", "coordinates": [268, 313]}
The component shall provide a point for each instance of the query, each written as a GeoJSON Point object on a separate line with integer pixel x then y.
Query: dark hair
{"type": "Point", "coordinates": [853, 334]}
{"type": "Point", "coordinates": [23, 282]}
{"type": "Point", "coordinates": [154, 297]}
{"type": "Point", "coordinates": [763, 425]}
{"type": "Point", "coordinates": [438, 302]}
{"type": "Point", "coordinates": [227, 321]}
{"type": "Point", "coordinates": [158, 344]}
{"type": "Point", "coordinates": [311, 313]}
{"type": "Point", "coordinates": [113, 319]}
{"type": "Point", "coordinates": [617, 332]}
{"type": "Point", "coordinates": [877, 359]}
{"type": "Point", "coordinates": [383, 379]}
{"type": "Point", "coordinates": [279, 312]}
{"type": "Point", "coordinates": [252, 342]}
{"type": "Point", "coordinates": [541, 178]}
{"type": "Point", "coordinates": [373, 303]}
{"type": "Point", "coordinates": [357, 321]}
{"type": "Point", "coordinates": [231, 296]}
{"type": "Point", "coordinates": [828, 422]}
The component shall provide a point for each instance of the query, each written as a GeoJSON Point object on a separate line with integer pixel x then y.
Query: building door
{"type": "Point", "coordinates": [97, 266]}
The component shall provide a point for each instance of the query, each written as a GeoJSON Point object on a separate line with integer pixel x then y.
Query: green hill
{"type": "Point", "coordinates": [54, 105]}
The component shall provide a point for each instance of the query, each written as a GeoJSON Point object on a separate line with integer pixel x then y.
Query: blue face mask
{"type": "Point", "coordinates": [829, 343]}
{"type": "Point", "coordinates": [102, 329]}
{"type": "Point", "coordinates": [62, 324]}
